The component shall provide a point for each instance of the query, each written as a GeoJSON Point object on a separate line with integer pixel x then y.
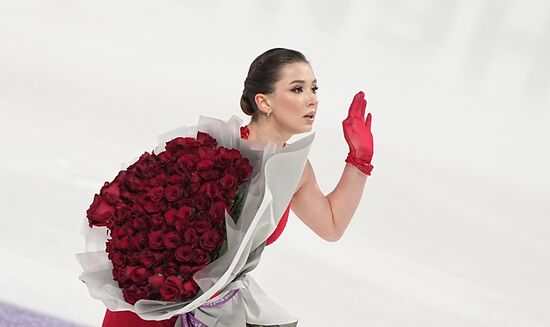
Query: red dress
{"type": "Point", "coordinates": [128, 318]}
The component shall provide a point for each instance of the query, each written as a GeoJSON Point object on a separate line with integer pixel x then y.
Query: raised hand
{"type": "Point", "coordinates": [357, 132]}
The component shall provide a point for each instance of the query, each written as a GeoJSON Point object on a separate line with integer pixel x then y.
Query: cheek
{"type": "Point", "coordinates": [293, 102]}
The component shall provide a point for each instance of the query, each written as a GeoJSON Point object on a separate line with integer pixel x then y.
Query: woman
{"type": "Point", "coordinates": [280, 95]}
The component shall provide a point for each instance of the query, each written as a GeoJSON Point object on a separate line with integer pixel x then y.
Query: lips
{"type": "Point", "coordinates": [310, 114]}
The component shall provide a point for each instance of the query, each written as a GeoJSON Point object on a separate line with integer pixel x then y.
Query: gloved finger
{"type": "Point", "coordinates": [353, 108]}
{"type": "Point", "coordinates": [362, 108]}
{"type": "Point", "coordinates": [368, 122]}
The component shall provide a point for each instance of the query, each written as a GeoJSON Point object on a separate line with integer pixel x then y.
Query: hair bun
{"type": "Point", "coordinates": [245, 106]}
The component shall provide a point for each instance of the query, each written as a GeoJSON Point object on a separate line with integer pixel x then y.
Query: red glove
{"type": "Point", "coordinates": [358, 134]}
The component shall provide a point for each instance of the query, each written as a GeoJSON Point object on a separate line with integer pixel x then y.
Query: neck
{"type": "Point", "coordinates": [264, 131]}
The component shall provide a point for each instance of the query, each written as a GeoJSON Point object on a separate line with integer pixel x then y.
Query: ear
{"type": "Point", "coordinates": [262, 101]}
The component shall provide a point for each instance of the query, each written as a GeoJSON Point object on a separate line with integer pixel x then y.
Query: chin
{"type": "Point", "coordinates": [306, 129]}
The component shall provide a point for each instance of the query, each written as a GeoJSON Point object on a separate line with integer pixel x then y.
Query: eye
{"type": "Point", "coordinates": [299, 89]}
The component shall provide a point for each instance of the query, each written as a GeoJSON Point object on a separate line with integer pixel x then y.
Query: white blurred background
{"type": "Point", "coordinates": [453, 226]}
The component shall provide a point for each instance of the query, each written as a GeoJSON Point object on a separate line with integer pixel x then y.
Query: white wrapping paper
{"type": "Point", "coordinates": [275, 177]}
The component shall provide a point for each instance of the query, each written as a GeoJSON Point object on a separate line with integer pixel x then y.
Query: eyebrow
{"type": "Point", "coordinates": [302, 81]}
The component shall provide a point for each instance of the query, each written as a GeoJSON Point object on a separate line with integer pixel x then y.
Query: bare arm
{"type": "Point", "coordinates": [328, 216]}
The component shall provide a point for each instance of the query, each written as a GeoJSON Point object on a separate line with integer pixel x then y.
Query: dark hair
{"type": "Point", "coordinates": [264, 71]}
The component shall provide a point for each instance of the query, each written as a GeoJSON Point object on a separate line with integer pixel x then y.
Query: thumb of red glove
{"type": "Point", "coordinates": [358, 135]}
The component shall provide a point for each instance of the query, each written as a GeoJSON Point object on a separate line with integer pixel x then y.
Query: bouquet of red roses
{"type": "Point", "coordinates": [177, 231]}
{"type": "Point", "coordinates": [165, 216]}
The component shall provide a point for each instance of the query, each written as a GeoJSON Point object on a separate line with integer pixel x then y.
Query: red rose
{"type": "Point", "coordinates": [139, 274]}
{"type": "Point", "coordinates": [173, 192]}
{"type": "Point", "coordinates": [110, 246]}
{"type": "Point", "coordinates": [217, 211]}
{"type": "Point", "coordinates": [156, 193]}
{"type": "Point", "coordinates": [137, 209]}
{"type": "Point", "coordinates": [170, 216]}
{"type": "Point", "coordinates": [147, 165]}
{"type": "Point", "coordinates": [165, 157]}
{"type": "Point", "coordinates": [223, 158]}
{"type": "Point", "coordinates": [118, 258]}
{"type": "Point", "coordinates": [121, 231]}
{"type": "Point", "coordinates": [171, 289]}
{"type": "Point", "coordinates": [147, 258]}
{"type": "Point", "coordinates": [228, 154]}
{"type": "Point", "coordinates": [115, 272]}
{"type": "Point", "coordinates": [122, 213]}
{"type": "Point", "coordinates": [181, 143]}
{"type": "Point", "coordinates": [175, 179]}
{"type": "Point", "coordinates": [133, 182]}
{"type": "Point", "coordinates": [151, 206]}
{"type": "Point", "coordinates": [139, 241]}
{"type": "Point", "coordinates": [133, 259]}
{"type": "Point", "coordinates": [158, 180]}
{"type": "Point", "coordinates": [139, 224]}
{"type": "Point", "coordinates": [120, 176]}
{"type": "Point", "coordinates": [194, 187]}
{"type": "Point", "coordinates": [181, 224]}
{"type": "Point", "coordinates": [157, 220]}
{"type": "Point", "coordinates": [205, 164]}
{"type": "Point", "coordinates": [186, 271]}
{"type": "Point", "coordinates": [203, 215]}
{"type": "Point", "coordinates": [100, 213]}
{"type": "Point", "coordinates": [201, 202]}
{"type": "Point", "coordinates": [202, 226]}
{"type": "Point", "coordinates": [160, 257]}
{"type": "Point", "coordinates": [190, 289]}
{"type": "Point", "coordinates": [186, 162]}
{"type": "Point", "coordinates": [171, 268]}
{"type": "Point", "coordinates": [185, 212]}
{"type": "Point", "coordinates": [207, 153]}
{"type": "Point", "coordinates": [200, 257]}
{"type": "Point", "coordinates": [131, 294]}
{"type": "Point", "coordinates": [124, 243]}
{"type": "Point", "coordinates": [111, 192]}
{"type": "Point", "coordinates": [228, 181]}
{"type": "Point", "coordinates": [210, 189]}
{"type": "Point", "coordinates": [230, 194]}
{"type": "Point", "coordinates": [205, 139]}
{"type": "Point", "coordinates": [243, 169]}
{"type": "Point", "coordinates": [190, 236]}
{"type": "Point", "coordinates": [157, 281]}
{"type": "Point", "coordinates": [120, 276]}
{"type": "Point", "coordinates": [127, 271]}
{"type": "Point", "coordinates": [195, 178]}
{"type": "Point", "coordinates": [184, 253]}
{"type": "Point", "coordinates": [155, 240]}
{"type": "Point", "coordinates": [171, 240]}
{"type": "Point", "coordinates": [210, 175]}
{"type": "Point", "coordinates": [210, 240]}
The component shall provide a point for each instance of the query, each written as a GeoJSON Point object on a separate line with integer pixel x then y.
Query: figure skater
{"type": "Point", "coordinates": [280, 95]}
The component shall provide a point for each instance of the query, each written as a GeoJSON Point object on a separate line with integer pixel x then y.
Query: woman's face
{"type": "Point", "coordinates": [294, 96]}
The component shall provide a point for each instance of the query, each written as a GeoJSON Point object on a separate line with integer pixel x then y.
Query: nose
{"type": "Point", "coordinates": [312, 99]}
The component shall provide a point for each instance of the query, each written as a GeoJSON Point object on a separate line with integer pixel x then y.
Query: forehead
{"type": "Point", "coordinates": [296, 71]}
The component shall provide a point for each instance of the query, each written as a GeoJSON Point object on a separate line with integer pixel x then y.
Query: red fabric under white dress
{"type": "Point", "coordinates": [128, 318]}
